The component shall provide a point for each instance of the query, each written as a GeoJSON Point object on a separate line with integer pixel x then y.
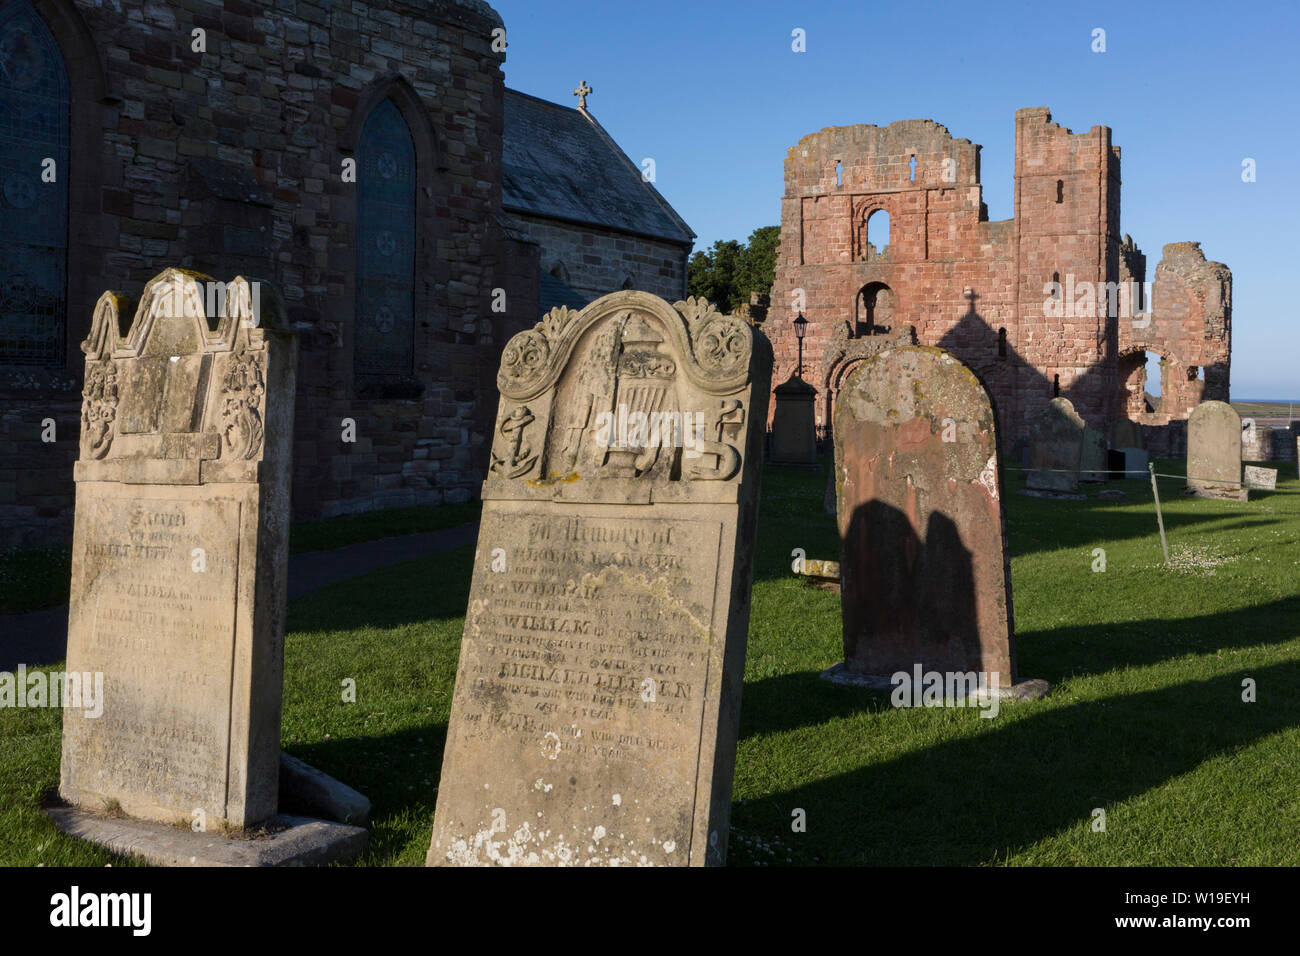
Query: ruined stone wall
{"type": "Point", "coordinates": [1189, 327]}
{"type": "Point", "coordinates": [599, 261]}
{"type": "Point", "coordinates": [1031, 304]}
{"type": "Point", "coordinates": [229, 162]}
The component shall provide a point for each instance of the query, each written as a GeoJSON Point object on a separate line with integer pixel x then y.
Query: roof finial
{"type": "Point", "coordinates": [582, 92]}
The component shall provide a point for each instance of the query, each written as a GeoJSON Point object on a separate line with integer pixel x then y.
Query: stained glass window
{"type": "Point", "coordinates": [33, 211]}
{"type": "Point", "coordinates": [385, 313]}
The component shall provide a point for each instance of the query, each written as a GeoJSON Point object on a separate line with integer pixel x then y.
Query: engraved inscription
{"type": "Point", "coordinates": [588, 658]}
{"type": "Point", "coordinates": [157, 618]}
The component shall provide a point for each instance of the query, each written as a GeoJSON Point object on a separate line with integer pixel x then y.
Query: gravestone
{"type": "Point", "coordinates": [1092, 456]}
{"type": "Point", "coordinates": [1265, 479]}
{"type": "Point", "coordinates": [794, 426]}
{"type": "Point", "coordinates": [924, 565]}
{"type": "Point", "coordinates": [597, 697]}
{"type": "Point", "coordinates": [179, 561]}
{"type": "Point", "coordinates": [1126, 434]}
{"type": "Point", "coordinates": [1214, 452]}
{"type": "Point", "coordinates": [1056, 450]}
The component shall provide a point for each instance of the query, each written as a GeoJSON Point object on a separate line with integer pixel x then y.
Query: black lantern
{"type": "Point", "coordinates": [800, 329]}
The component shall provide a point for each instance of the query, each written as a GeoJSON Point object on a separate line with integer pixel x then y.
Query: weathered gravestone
{"type": "Point", "coordinates": [924, 567]}
{"type": "Point", "coordinates": [1056, 450]}
{"type": "Point", "coordinates": [1214, 452]}
{"type": "Point", "coordinates": [597, 697]}
{"type": "Point", "coordinates": [1092, 456]}
{"type": "Point", "coordinates": [179, 562]}
{"type": "Point", "coordinates": [1265, 479]}
{"type": "Point", "coordinates": [1126, 434]}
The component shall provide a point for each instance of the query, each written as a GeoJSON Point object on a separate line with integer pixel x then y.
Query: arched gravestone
{"type": "Point", "coordinates": [1214, 452]}
{"type": "Point", "coordinates": [1056, 450]}
{"type": "Point", "coordinates": [597, 697]}
{"type": "Point", "coordinates": [925, 574]}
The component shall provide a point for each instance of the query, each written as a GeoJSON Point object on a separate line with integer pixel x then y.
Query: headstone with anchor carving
{"type": "Point", "coordinates": [596, 707]}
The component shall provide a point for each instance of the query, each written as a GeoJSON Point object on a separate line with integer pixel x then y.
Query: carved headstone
{"type": "Point", "coordinates": [595, 712]}
{"type": "Point", "coordinates": [1056, 450]}
{"type": "Point", "coordinates": [923, 559]}
{"type": "Point", "coordinates": [179, 555]}
{"type": "Point", "coordinates": [1214, 452]}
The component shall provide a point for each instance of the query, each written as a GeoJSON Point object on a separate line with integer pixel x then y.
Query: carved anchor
{"type": "Point", "coordinates": [521, 459]}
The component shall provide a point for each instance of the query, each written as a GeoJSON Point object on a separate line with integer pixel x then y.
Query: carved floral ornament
{"type": "Point", "coordinates": [716, 348]}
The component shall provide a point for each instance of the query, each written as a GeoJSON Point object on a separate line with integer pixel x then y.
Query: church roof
{"type": "Point", "coordinates": [558, 162]}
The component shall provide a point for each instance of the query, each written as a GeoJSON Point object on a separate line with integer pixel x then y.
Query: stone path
{"type": "Point", "coordinates": [41, 637]}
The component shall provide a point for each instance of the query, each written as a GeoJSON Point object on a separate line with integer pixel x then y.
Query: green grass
{"type": "Point", "coordinates": [327, 533]}
{"type": "Point", "coordinates": [1146, 720]}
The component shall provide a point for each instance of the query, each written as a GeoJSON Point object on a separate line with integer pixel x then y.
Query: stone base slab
{"type": "Point", "coordinates": [1219, 494]}
{"type": "Point", "coordinates": [1030, 689]}
{"type": "Point", "coordinates": [287, 840]}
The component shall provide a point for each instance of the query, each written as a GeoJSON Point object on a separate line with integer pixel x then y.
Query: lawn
{"type": "Point", "coordinates": [1146, 720]}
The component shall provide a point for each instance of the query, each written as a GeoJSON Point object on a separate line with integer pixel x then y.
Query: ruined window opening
{"type": "Point", "coordinates": [1194, 373]}
{"type": "Point", "coordinates": [911, 163]}
{"type": "Point", "coordinates": [1002, 343]}
{"type": "Point", "coordinates": [877, 233]}
{"type": "Point", "coordinates": [839, 173]}
{"type": "Point", "coordinates": [875, 309]}
{"type": "Point", "coordinates": [1060, 190]}
{"type": "Point", "coordinates": [1056, 386]}
{"type": "Point", "coordinates": [1153, 389]}
{"type": "Point", "coordinates": [1056, 285]}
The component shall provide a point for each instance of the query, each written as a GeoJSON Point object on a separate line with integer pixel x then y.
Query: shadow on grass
{"type": "Point", "coordinates": [1116, 646]}
{"type": "Point", "coordinates": [397, 772]}
{"type": "Point", "coordinates": [791, 516]}
{"type": "Point", "coordinates": [975, 799]}
{"type": "Point", "coordinates": [415, 592]}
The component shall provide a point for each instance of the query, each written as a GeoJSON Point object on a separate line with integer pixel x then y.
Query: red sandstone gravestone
{"type": "Point", "coordinates": [597, 696]}
{"type": "Point", "coordinates": [923, 559]}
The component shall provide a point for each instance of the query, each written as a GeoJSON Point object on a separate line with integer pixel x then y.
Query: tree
{"type": "Point", "coordinates": [729, 272]}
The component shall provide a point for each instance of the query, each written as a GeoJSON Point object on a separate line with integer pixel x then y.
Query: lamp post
{"type": "Point", "coordinates": [800, 328]}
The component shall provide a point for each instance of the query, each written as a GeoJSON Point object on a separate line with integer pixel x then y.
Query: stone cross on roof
{"type": "Point", "coordinates": [582, 92]}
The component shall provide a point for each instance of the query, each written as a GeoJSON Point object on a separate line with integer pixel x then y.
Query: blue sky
{"type": "Point", "coordinates": [714, 94]}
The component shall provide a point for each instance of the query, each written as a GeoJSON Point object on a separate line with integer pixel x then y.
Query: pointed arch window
{"type": "Point", "coordinates": [34, 130]}
{"type": "Point", "coordinates": [384, 341]}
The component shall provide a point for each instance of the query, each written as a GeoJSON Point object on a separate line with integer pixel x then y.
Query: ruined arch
{"type": "Point", "coordinates": [874, 308]}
